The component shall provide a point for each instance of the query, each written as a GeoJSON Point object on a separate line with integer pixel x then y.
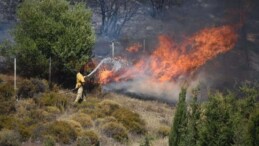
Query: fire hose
{"type": "Point", "coordinates": [116, 66]}
{"type": "Point", "coordinates": [105, 60]}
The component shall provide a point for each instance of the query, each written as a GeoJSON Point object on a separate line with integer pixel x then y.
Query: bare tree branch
{"type": "Point", "coordinates": [115, 14]}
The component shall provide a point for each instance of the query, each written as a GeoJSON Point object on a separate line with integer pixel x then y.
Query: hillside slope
{"type": "Point", "coordinates": [49, 116]}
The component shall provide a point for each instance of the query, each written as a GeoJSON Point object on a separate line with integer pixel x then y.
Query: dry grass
{"type": "Point", "coordinates": [95, 113]}
{"type": "Point", "coordinates": [84, 119]}
{"type": "Point", "coordinates": [160, 142]}
{"type": "Point", "coordinates": [154, 113]}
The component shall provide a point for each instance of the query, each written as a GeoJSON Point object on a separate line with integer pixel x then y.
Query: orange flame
{"type": "Point", "coordinates": [170, 59]}
{"type": "Point", "coordinates": [104, 76]}
{"type": "Point", "coordinates": [134, 48]}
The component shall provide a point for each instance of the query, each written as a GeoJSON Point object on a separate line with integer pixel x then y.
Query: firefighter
{"type": "Point", "coordinates": [80, 81]}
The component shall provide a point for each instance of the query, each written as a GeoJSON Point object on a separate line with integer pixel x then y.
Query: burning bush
{"type": "Point", "coordinates": [130, 120]}
{"type": "Point", "coordinates": [116, 131]}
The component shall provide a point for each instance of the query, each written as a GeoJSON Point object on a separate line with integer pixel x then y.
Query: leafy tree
{"type": "Point", "coordinates": [253, 129]}
{"type": "Point", "coordinates": [217, 127]}
{"type": "Point", "coordinates": [6, 61]}
{"type": "Point", "coordinates": [246, 116]}
{"type": "Point", "coordinates": [178, 130]}
{"type": "Point", "coordinates": [52, 28]}
{"type": "Point", "coordinates": [225, 119]}
{"type": "Point", "coordinates": [250, 94]}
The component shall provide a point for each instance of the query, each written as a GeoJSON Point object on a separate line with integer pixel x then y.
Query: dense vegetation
{"type": "Point", "coordinates": [62, 30]}
{"type": "Point", "coordinates": [51, 29]}
{"type": "Point", "coordinates": [225, 119]}
{"type": "Point", "coordinates": [50, 117]}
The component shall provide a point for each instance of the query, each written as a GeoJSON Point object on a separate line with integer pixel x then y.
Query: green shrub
{"type": "Point", "coordinates": [116, 131]}
{"type": "Point", "coordinates": [40, 85]}
{"type": "Point", "coordinates": [84, 119]}
{"type": "Point", "coordinates": [93, 113]}
{"type": "Point", "coordinates": [9, 138]}
{"type": "Point", "coordinates": [26, 90]}
{"type": "Point", "coordinates": [130, 120]}
{"type": "Point", "coordinates": [52, 109]}
{"type": "Point", "coordinates": [146, 141]}
{"type": "Point", "coordinates": [7, 122]}
{"type": "Point", "coordinates": [101, 121]}
{"type": "Point", "coordinates": [179, 126]}
{"type": "Point", "coordinates": [163, 131]}
{"type": "Point", "coordinates": [49, 141]}
{"type": "Point", "coordinates": [108, 106]}
{"type": "Point", "coordinates": [75, 125]}
{"type": "Point", "coordinates": [55, 87]}
{"type": "Point", "coordinates": [6, 91]}
{"type": "Point", "coordinates": [25, 105]}
{"type": "Point", "coordinates": [25, 131]}
{"type": "Point", "coordinates": [90, 107]}
{"type": "Point", "coordinates": [7, 107]}
{"type": "Point", "coordinates": [61, 131]}
{"type": "Point", "coordinates": [40, 115]}
{"type": "Point", "coordinates": [7, 102]}
{"type": "Point", "coordinates": [10, 122]}
{"type": "Point", "coordinates": [53, 99]}
{"type": "Point", "coordinates": [91, 103]}
{"type": "Point", "coordinates": [88, 138]}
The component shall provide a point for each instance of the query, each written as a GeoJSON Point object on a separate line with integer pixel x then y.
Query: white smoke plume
{"type": "Point", "coordinates": [142, 86]}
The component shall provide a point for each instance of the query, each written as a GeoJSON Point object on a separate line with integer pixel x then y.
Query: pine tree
{"type": "Point", "coordinates": [178, 130]}
{"type": "Point", "coordinates": [193, 119]}
{"type": "Point", "coordinates": [253, 129]}
{"type": "Point", "coordinates": [217, 126]}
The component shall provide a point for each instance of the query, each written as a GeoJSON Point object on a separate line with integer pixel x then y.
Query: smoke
{"type": "Point", "coordinates": [144, 87]}
{"type": "Point", "coordinates": [5, 28]}
{"type": "Point", "coordinates": [178, 23]}
{"type": "Point", "coordinates": [255, 61]}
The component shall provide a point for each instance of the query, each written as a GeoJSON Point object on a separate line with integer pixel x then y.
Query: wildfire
{"type": "Point", "coordinates": [104, 76]}
{"type": "Point", "coordinates": [134, 48]}
{"type": "Point", "coordinates": [170, 59]}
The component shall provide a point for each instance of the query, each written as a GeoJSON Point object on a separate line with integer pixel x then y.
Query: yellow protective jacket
{"type": "Point", "coordinates": [80, 80]}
